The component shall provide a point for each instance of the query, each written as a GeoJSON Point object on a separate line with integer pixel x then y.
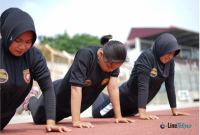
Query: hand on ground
{"type": "Point", "coordinates": [53, 128]}
{"type": "Point", "coordinates": [148, 117]}
{"type": "Point", "coordinates": [81, 124]}
{"type": "Point", "coordinates": [180, 113]}
{"type": "Point", "coordinates": [123, 120]}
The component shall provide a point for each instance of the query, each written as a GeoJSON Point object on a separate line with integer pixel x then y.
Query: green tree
{"type": "Point", "coordinates": [80, 41]}
{"type": "Point", "coordinates": [71, 45]}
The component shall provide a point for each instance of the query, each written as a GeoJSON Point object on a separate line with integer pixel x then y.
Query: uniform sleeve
{"type": "Point", "coordinates": [143, 90]}
{"type": "Point", "coordinates": [80, 68]}
{"type": "Point", "coordinates": [172, 65]}
{"type": "Point", "coordinates": [169, 84]}
{"type": "Point", "coordinates": [115, 73]}
{"type": "Point", "coordinates": [143, 66]}
{"type": "Point", "coordinates": [41, 74]}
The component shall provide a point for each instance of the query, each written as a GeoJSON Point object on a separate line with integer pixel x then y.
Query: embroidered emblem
{"type": "Point", "coordinates": [11, 39]}
{"type": "Point", "coordinates": [3, 76]}
{"type": "Point", "coordinates": [27, 76]}
{"type": "Point", "coordinates": [153, 72]}
{"type": "Point", "coordinates": [105, 81]}
{"type": "Point", "coordinates": [88, 82]}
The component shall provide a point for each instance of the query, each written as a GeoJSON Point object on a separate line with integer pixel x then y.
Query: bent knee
{"type": "Point", "coordinates": [39, 120]}
{"type": "Point", "coordinates": [96, 115]}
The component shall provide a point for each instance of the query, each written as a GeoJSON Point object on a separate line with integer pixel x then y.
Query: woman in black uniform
{"type": "Point", "coordinates": [153, 67]}
{"type": "Point", "coordinates": [20, 64]}
{"type": "Point", "coordinates": [94, 68]}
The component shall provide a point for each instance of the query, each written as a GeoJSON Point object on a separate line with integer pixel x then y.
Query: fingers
{"type": "Point", "coordinates": [145, 118]}
{"type": "Point", "coordinates": [155, 117]}
{"type": "Point", "coordinates": [87, 125]}
{"type": "Point", "coordinates": [83, 125]}
{"type": "Point", "coordinates": [66, 129]}
{"type": "Point", "coordinates": [182, 113]}
{"type": "Point", "coordinates": [149, 117]}
{"type": "Point", "coordinates": [61, 129]}
{"type": "Point", "coordinates": [48, 128]}
{"type": "Point", "coordinates": [185, 114]}
{"type": "Point", "coordinates": [131, 121]}
{"type": "Point", "coordinates": [57, 129]}
{"type": "Point", "coordinates": [117, 121]}
{"type": "Point", "coordinates": [124, 120]}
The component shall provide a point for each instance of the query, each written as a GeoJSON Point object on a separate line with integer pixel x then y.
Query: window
{"type": "Point", "coordinates": [186, 53]}
{"type": "Point", "coordinates": [145, 46]}
{"type": "Point", "coordinates": [195, 54]}
{"type": "Point", "coordinates": [132, 46]}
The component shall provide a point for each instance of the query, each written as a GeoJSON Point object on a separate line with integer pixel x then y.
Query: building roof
{"type": "Point", "coordinates": [184, 37]}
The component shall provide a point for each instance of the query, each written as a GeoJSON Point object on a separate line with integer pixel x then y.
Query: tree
{"type": "Point", "coordinates": [71, 45]}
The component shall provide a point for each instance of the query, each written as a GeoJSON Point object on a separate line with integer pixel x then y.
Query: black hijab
{"type": "Point", "coordinates": [164, 44]}
{"type": "Point", "coordinates": [15, 22]}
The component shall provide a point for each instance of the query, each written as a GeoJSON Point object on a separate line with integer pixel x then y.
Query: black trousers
{"type": "Point", "coordinates": [5, 120]}
{"type": "Point", "coordinates": [33, 103]}
{"type": "Point", "coordinates": [37, 108]}
{"type": "Point", "coordinates": [102, 108]}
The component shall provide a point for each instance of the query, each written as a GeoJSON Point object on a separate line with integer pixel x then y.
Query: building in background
{"type": "Point", "coordinates": [140, 39]}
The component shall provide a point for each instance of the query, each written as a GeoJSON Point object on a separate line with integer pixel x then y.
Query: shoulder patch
{"type": "Point", "coordinates": [153, 72]}
{"type": "Point", "coordinates": [3, 76]}
{"type": "Point", "coordinates": [88, 82]}
{"type": "Point", "coordinates": [27, 76]}
{"type": "Point", "coordinates": [105, 81]}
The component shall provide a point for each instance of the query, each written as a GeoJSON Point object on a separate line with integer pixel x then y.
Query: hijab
{"type": "Point", "coordinates": [164, 44]}
{"type": "Point", "coordinates": [14, 22]}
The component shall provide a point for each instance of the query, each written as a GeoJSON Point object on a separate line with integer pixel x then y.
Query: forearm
{"type": "Point", "coordinates": [174, 110]}
{"type": "Point", "coordinates": [169, 84]}
{"type": "Point", "coordinates": [76, 97]}
{"type": "Point", "coordinates": [114, 98]}
{"type": "Point", "coordinates": [143, 90]}
{"type": "Point", "coordinates": [142, 111]}
{"type": "Point", "coordinates": [49, 97]}
{"type": "Point", "coordinates": [51, 122]}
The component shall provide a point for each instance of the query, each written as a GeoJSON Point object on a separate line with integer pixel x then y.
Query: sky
{"type": "Point", "coordinates": [102, 17]}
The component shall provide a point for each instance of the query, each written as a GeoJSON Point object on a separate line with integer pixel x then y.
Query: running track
{"type": "Point", "coordinates": [108, 127]}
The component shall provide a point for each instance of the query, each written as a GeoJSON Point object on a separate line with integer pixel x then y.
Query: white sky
{"type": "Point", "coordinates": [101, 17]}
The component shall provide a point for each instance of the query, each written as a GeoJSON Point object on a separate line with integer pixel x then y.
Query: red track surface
{"type": "Point", "coordinates": [108, 127]}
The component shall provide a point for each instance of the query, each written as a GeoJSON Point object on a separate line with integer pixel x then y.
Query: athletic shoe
{"type": "Point", "coordinates": [21, 108]}
{"type": "Point", "coordinates": [35, 91]}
